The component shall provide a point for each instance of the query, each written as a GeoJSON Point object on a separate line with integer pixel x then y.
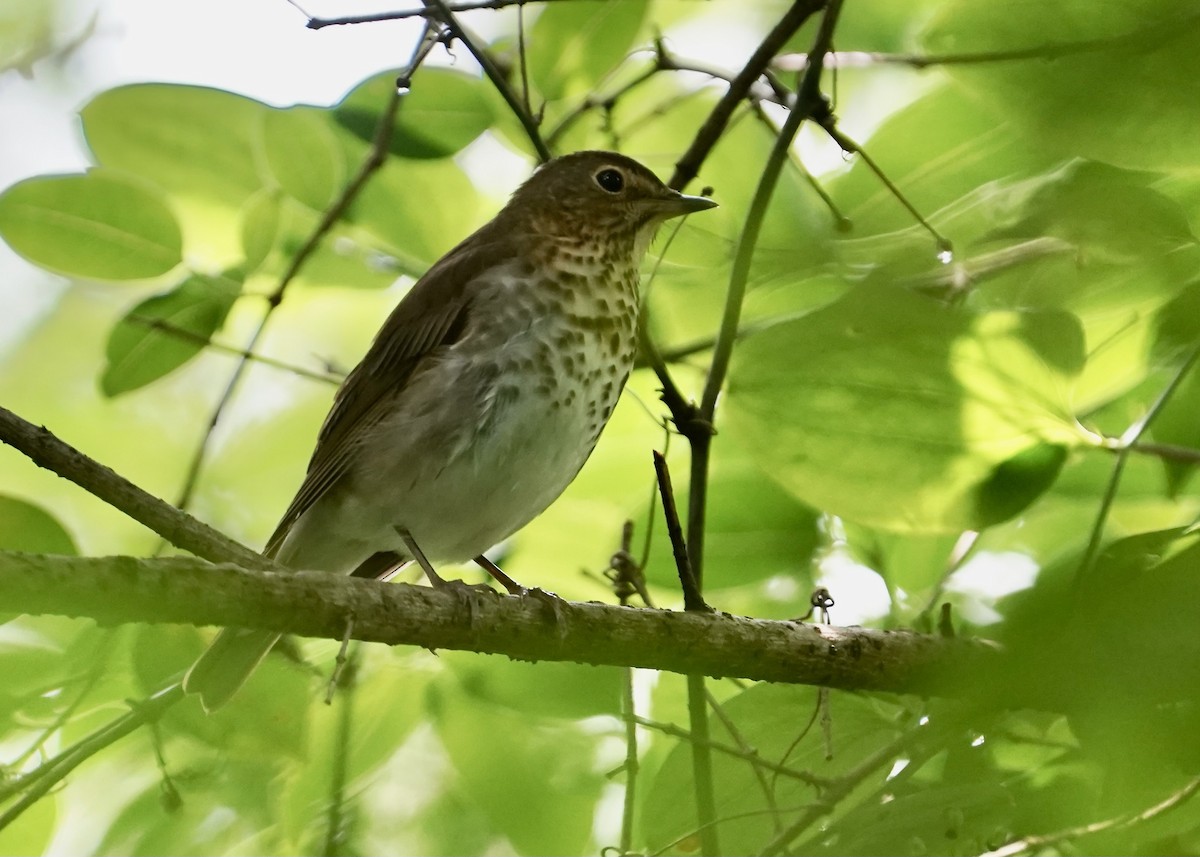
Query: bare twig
{"type": "Point", "coordinates": [702, 778]}
{"type": "Point", "coordinates": [1167, 451]}
{"type": "Point", "coordinates": [766, 786]}
{"type": "Point", "coordinates": [746, 754]}
{"type": "Point", "coordinates": [1124, 446]}
{"type": "Point", "coordinates": [664, 60]}
{"type": "Point", "coordinates": [176, 526]}
{"type": "Point", "coordinates": [692, 600]}
{"type": "Point", "coordinates": [631, 765]}
{"type": "Point", "coordinates": [38, 782]}
{"type": "Point", "coordinates": [338, 826]}
{"type": "Point", "coordinates": [465, 6]}
{"type": "Point", "coordinates": [446, 15]}
{"type": "Point", "coordinates": [189, 336]}
{"type": "Point", "coordinates": [829, 123]}
{"type": "Point", "coordinates": [837, 790]}
{"type": "Point", "coordinates": [809, 101]}
{"type": "Point", "coordinates": [688, 166]}
{"type": "Point", "coordinates": [1049, 840]}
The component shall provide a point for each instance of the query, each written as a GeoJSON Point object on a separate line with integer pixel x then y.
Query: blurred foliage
{"type": "Point", "coordinates": [943, 422]}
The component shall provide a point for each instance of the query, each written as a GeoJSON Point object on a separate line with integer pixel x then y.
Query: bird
{"type": "Point", "coordinates": [481, 396]}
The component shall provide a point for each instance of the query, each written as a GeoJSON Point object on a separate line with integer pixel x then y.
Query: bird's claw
{"type": "Point", "coordinates": [550, 603]}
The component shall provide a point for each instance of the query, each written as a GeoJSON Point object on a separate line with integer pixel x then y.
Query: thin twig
{"type": "Point", "coordinates": [1167, 451]}
{"type": "Point", "coordinates": [837, 790]}
{"type": "Point", "coordinates": [1124, 446]}
{"type": "Point", "coordinates": [765, 785]}
{"type": "Point", "coordinates": [38, 782]}
{"type": "Point", "coordinates": [1049, 840]}
{"type": "Point", "coordinates": [629, 803]}
{"type": "Point", "coordinates": [852, 147]}
{"type": "Point", "coordinates": [692, 600]}
{"type": "Point", "coordinates": [688, 166]}
{"type": "Point", "coordinates": [337, 824]}
{"type": "Point", "coordinates": [176, 526]}
{"type": "Point", "coordinates": [809, 100]}
{"type": "Point", "coordinates": [747, 755]}
{"type": "Point", "coordinates": [495, 76]}
{"type": "Point", "coordinates": [466, 6]}
{"type": "Point", "coordinates": [522, 58]}
{"type": "Point", "coordinates": [329, 377]}
{"type": "Point", "coordinates": [664, 60]}
{"type": "Point", "coordinates": [592, 102]}
{"type": "Point", "coordinates": [93, 675]}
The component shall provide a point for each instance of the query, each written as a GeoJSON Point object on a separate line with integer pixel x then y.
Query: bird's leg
{"type": "Point", "coordinates": [435, 579]}
{"type": "Point", "coordinates": [548, 599]}
{"type": "Point", "coordinates": [457, 587]}
{"type": "Point", "coordinates": [499, 576]}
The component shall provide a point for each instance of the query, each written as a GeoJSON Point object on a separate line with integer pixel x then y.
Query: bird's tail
{"type": "Point", "coordinates": [226, 664]}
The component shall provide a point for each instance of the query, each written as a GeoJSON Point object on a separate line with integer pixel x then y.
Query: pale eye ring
{"type": "Point", "coordinates": [610, 180]}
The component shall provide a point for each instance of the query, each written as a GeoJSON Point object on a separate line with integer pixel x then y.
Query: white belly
{"type": "Point", "coordinates": [464, 472]}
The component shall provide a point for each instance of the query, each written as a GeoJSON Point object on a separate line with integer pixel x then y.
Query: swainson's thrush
{"type": "Point", "coordinates": [482, 395]}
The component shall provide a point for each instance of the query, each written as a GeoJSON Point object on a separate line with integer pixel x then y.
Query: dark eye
{"type": "Point", "coordinates": [611, 180]}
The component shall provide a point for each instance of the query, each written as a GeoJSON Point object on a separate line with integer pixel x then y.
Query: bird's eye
{"type": "Point", "coordinates": [611, 180]}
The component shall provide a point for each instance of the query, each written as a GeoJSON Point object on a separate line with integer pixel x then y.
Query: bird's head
{"type": "Point", "coordinates": [593, 193]}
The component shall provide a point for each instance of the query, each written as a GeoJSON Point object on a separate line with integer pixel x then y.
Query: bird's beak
{"type": "Point", "coordinates": [679, 204]}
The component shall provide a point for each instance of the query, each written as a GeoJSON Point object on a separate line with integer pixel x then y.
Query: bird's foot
{"type": "Point", "coordinates": [552, 605]}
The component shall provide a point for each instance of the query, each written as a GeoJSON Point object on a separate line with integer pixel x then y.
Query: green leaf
{"type": "Point", "coordinates": [1130, 252]}
{"type": "Point", "coordinates": [937, 150]}
{"type": "Point", "coordinates": [779, 723]}
{"type": "Point", "coordinates": [1177, 424]}
{"type": "Point", "coordinates": [393, 214]}
{"type": "Point", "coordinates": [1075, 618]}
{"type": "Point", "coordinates": [27, 527]}
{"type": "Point", "coordinates": [590, 38]}
{"type": "Point", "coordinates": [900, 412]}
{"type": "Point", "coordinates": [101, 225]}
{"type": "Point", "coordinates": [443, 112]}
{"type": "Point", "coordinates": [163, 332]}
{"type": "Point", "coordinates": [1111, 212]}
{"type": "Point", "coordinates": [303, 156]}
{"type": "Point", "coordinates": [34, 833]}
{"type": "Point", "coordinates": [539, 689]}
{"type": "Point", "coordinates": [505, 777]}
{"type": "Point", "coordinates": [1090, 100]}
{"type": "Point", "coordinates": [262, 219]}
{"type": "Point", "coordinates": [190, 140]}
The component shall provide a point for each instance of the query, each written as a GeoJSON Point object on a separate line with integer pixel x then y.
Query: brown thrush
{"type": "Point", "coordinates": [482, 395]}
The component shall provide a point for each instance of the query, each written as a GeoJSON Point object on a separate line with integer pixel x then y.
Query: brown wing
{"type": "Point", "coordinates": [432, 315]}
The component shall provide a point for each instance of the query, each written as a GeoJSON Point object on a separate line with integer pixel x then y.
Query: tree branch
{"type": "Point", "coordinates": [317, 604]}
{"type": "Point", "coordinates": [426, 12]}
{"type": "Point", "coordinates": [176, 526]}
